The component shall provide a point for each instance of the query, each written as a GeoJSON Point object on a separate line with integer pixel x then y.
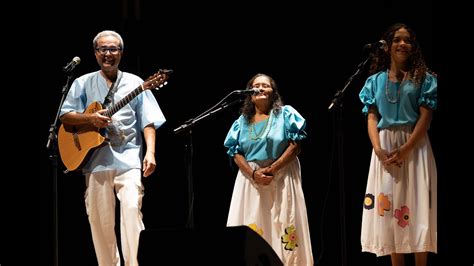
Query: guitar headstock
{"type": "Point", "coordinates": [157, 80]}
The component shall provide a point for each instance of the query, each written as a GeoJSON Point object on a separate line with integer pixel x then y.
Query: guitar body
{"type": "Point", "coordinates": [76, 143]}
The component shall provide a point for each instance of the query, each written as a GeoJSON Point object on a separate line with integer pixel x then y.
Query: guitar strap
{"type": "Point", "coordinates": [109, 99]}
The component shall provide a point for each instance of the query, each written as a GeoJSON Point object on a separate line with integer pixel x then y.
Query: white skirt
{"type": "Point", "coordinates": [277, 212]}
{"type": "Point", "coordinates": [400, 204]}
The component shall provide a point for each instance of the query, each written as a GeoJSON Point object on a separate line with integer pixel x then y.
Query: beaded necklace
{"type": "Point", "coordinates": [259, 135]}
{"type": "Point", "coordinates": [387, 92]}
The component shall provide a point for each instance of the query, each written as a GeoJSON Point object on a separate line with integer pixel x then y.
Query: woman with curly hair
{"type": "Point", "coordinates": [399, 214]}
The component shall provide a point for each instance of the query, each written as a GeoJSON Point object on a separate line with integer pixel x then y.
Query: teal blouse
{"type": "Point", "coordinates": [266, 139]}
{"type": "Point", "coordinates": [398, 104]}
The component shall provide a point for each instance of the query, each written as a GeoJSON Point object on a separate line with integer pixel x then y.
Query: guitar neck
{"type": "Point", "coordinates": [112, 110]}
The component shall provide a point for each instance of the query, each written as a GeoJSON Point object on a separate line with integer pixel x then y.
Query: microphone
{"type": "Point", "coordinates": [253, 91]}
{"type": "Point", "coordinates": [71, 65]}
{"type": "Point", "coordinates": [382, 44]}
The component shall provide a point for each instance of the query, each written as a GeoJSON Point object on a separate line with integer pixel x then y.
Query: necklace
{"type": "Point", "coordinates": [254, 131]}
{"type": "Point", "coordinates": [387, 92]}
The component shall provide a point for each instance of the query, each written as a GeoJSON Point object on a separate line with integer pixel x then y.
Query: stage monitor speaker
{"type": "Point", "coordinates": [237, 245]}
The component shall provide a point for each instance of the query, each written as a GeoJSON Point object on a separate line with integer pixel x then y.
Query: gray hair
{"type": "Point", "coordinates": [106, 33]}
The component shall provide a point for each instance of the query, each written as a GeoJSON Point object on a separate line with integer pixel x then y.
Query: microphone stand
{"type": "Point", "coordinates": [52, 146]}
{"type": "Point", "coordinates": [337, 107]}
{"type": "Point", "coordinates": [188, 147]}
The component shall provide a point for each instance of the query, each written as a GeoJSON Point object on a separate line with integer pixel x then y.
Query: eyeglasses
{"type": "Point", "coordinates": [263, 85]}
{"type": "Point", "coordinates": [112, 50]}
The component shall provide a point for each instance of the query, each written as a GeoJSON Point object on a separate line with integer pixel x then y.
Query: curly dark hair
{"type": "Point", "coordinates": [416, 63]}
{"type": "Point", "coordinates": [248, 108]}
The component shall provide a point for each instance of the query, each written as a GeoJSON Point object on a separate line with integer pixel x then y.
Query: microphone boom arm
{"type": "Point", "coordinates": [340, 93]}
{"type": "Point", "coordinates": [213, 110]}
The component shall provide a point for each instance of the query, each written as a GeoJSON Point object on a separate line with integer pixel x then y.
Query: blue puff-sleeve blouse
{"type": "Point", "coordinates": [398, 103]}
{"type": "Point", "coordinates": [266, 139]}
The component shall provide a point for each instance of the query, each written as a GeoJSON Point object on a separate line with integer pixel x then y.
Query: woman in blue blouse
{"type": "Point", "coordinates": [399, 214]}
{"type": "Point", "coordinates": [268, 197]}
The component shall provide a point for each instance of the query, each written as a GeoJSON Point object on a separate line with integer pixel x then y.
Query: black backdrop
{"type": "Point", "coordinates": [310, 49]}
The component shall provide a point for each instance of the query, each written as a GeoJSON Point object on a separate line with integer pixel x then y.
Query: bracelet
{"type": "Point", "coordinates": [253, 174]}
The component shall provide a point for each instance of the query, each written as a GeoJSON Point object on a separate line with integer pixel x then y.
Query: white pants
{"type": "Point", "coordinates": [100, 205]}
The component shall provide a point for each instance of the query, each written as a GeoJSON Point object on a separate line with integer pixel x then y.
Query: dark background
{"type": "Point", "coordinates": [310, 49]}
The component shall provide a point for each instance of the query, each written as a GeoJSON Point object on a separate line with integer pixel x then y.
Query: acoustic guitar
{"type": "Point", "coordinates": [76, 142]}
